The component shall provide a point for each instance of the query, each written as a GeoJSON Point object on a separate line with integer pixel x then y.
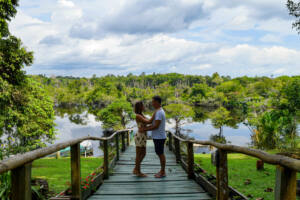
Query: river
{"type": "Point", "coordinates": [70, 126]}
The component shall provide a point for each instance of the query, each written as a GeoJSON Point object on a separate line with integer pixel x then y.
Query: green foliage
{"type": "Point", "coordinates": [179, 112]}
{"type": "Point", "coordinates": [199, 93]}
{"type": "Point", "coordinates": [233, 101]}
{"type": "Point", "coordinates": [58, 171]}
{"type": "Point", "coordinates": [221, 117]}
{"type": "Point", "coordinates": [27, 116]}
{"type": "Point", "coordinates": [7, 11]}
{"type": "Point", "coordinates": [13, 56]}
{"type": "Point", "coordinates": [241, 168]}
{"type": "Point", "coordinates": [294, 9]}
{"type": "Point", "coordinates": [116, 115]}
{"type": "Point", "coordinates": [5, 183]}
{"type": "Point", "coordinates": [26, 112]}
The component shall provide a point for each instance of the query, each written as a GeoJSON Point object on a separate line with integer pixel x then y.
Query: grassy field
{"type": "Point", "coordinates": [241, 168]}
{"type": "Point", "coordinates": [58, 172]}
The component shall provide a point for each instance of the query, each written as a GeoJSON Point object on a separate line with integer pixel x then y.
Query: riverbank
{"type": "Point", "coordinates": [58, 171]}
{"type": "Point", "coordinates": [243, 175]}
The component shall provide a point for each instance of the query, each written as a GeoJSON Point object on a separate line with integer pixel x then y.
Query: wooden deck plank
{"type": "Point", "coordinates": [123, 185]}
{"type": "Point", "coordinates": [197, 196]}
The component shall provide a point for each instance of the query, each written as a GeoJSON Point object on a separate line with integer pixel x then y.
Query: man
{"type": "Point", "coordinates": [158, 134]}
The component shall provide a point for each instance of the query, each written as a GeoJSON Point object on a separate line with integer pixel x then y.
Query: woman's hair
{"type": "Point", "coordinates": [138, 107]}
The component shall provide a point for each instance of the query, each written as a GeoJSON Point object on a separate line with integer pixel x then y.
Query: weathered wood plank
{"type": "Point", "coordinates": [190, 160]}
{"type": "Point", "coordinates": [105, 161]}
{"type": "Point", "coordinates": [123, 142]}
{"type": "Point", "coordinates": [117, 147]}
{"type": "Point", "coordinates": [222, 176]}
{"type": "Point", "coordinates": [21, 182]}
{"type": "Point", "coordinates": [123, 185]}
{"type": "Point", "coordinates": [196, 196]}
{"type": "Point", "coordinates": [286, 183]}
{"type": "Point", "coordinates": [75, 172]}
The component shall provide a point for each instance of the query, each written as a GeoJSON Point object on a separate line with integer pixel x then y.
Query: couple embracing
{"type": "Point", "coordinates": [157, 125]}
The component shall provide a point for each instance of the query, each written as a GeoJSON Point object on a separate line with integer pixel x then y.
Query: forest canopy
{"type": "Point", "coordinates": [254, 101]}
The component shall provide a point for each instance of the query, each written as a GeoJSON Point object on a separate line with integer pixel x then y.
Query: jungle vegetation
{"type": "Point", "coordinates": [268, 106]}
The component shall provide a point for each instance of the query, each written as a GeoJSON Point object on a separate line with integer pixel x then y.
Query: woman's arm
{"type": "Point", "coordinates": [143, 119]}
{"type": "Point", "coordinates": [152, 118]}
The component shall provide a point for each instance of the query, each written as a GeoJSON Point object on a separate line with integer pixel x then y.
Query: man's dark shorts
{"type": "Point", "coordinates": [159, 145]}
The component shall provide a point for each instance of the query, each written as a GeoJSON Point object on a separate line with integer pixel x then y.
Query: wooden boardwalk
{"type": "Point", "coordinates": [123, 185]}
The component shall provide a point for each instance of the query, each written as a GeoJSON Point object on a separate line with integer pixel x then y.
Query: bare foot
{"type": "Point", "coordinates": [160, 175]}
{"type": "Point", "coordinates": [141, 175]}
{"type": "Point", "coordinates": [135, 172]}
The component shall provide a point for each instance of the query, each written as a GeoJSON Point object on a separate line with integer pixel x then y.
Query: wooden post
{"type": "Point", "coordinates": [117, 147]}
{"type": "Point", "coordinates": [75, 172]}
{"type": "Point", "coordinates": [123, 142]}
{"type": "Point", "coordinates": [21, 182]}
{"type": "Point", "coordinates": [177, 150]}
{"type": "Point", "coordinates": [222, 176]}
{"type": "Point", "coordinates": [190, 161]}
{"type": "Point", "coordinates": [105, 163]}
{"type": "Point", "coordinates": [58, 155]}
{"type": "Point", "coordinates": [128, 138]}
{"type": "Point", "coordinates": [170, 141]}
{"type": "Point", "coordinates": [286, 183]}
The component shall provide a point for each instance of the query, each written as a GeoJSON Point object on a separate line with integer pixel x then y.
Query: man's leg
{"type": "Point", "coordinates": [159, 149]}
{"type": "Point", "coordinates": [162, 159]}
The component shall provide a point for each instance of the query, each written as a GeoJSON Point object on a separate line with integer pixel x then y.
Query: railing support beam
{"type": "Point", "coordinates": [105, 162]}
{"type": "Point", "coordinates": [75, 172]}
{"type": "Point", "coordinates": [128, 138]}
{"type": "Point", "coordinates": [177, 150]}
{"type": "Point", "coordinates": [117, 147]}
{"type": "Point", "coordinates": [286, 183]}
{"type": "Point", "coordinates": [21, 182]}
{"type": "Point", "coordinates": [222, 175]}
{"type": "Point", "coordinates": [170, 141]}
{"type": "Point", "coordinates": [190, 160]}
{"type": "Point", "coordinates": [123, 141]}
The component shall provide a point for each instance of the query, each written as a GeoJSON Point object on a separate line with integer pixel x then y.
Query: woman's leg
{"type": "Point", "coordinates": [137, 169]}
{"type": "Point", "coordinates": [143, 153]}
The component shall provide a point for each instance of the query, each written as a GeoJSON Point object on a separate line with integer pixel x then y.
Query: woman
{"type": "Point", "coordinates": [140, 138]}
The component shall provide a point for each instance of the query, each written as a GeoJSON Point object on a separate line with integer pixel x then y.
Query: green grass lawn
{"type": "Point", "coordinates": [241, 168]}
{"type": "Point", "coordinates": [58, 172]}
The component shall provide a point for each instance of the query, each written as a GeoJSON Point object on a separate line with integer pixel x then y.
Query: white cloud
{"type": "Point", "coordinates": [271, 38]}
{"type": "Point", "coordinates": [201, 67]}
{"type": "Point", "coordinates": [186, 36]}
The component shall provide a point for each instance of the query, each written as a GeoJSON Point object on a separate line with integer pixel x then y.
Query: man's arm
{"type": "Point", "coordinates": [152, 127]}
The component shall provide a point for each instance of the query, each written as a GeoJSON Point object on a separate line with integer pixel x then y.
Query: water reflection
{"type": "Point", "coordinates": [68, 129]}
{"type": "Point", "coordinates": [77, 122]}
{"type": "Point", "coordinates": [203, 130]}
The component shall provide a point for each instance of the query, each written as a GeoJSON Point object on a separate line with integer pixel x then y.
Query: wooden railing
{"type": "Point", "coordinates": [286, 168]}
{"type": "Point", "coordinates": [20, 165]}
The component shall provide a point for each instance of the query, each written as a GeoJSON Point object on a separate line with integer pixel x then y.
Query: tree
{"type": "Point", "coordinates": [116, 115]}
{"type": "Point", "coordinates": [294, 9]}
{"type": "Point", "coordinates": [199, 93]}
{"type": "Point", "coordinates": [26, 112]}
{"type": "Point", "coordinates": [13, 56]}
{"type": "Point", "coordinates": [26, 116]}
{"type": "Point", "coordinates": [178, 112]}
{"type": "Point", "coordinates": [221, 117]}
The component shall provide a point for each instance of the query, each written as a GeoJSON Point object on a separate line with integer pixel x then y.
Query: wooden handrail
{"type": "Point", "coordinates": [22, 159]}
{"type": "Point", "coordinates": [286, 168]}
{"type": "Point", "coordinates": [262, 155]}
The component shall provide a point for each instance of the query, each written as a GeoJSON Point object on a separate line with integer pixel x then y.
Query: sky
{"type": "Point", "coordinates": [85, 37]}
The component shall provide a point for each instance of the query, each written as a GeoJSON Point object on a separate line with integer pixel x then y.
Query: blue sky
{"type": "Point", "coordinates": [86, 37]}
